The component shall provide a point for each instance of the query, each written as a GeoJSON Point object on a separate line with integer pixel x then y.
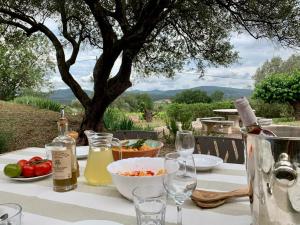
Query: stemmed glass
{"type": "Point", "coordinates": [185, 142]}
{"type": "Point", "coordinates": [180, 179]}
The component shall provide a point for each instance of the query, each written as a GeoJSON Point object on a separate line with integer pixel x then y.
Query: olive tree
{"type": "Point", "coordinates": [281, 88]}
{"type": "Point", "coordinates": [151, 36]}
{"type": "Point", "coordinates": [277, 65]}
{"type": "Point", "coordinates": [24, 63]}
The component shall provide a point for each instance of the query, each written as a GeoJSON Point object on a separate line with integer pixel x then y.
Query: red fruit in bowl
{"type": "Point", "coordinates": [28, 170]}
{"type": "Point", "coordinates": [22, 163]}
{"type": "Point", "coordinates": [42, 169]}
{"type": "Point", "coordinates": [35, 159]}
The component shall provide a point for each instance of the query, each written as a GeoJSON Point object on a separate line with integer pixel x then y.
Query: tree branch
{"type": "Point", "coordinates": [101, 15]}
{"type": "Point", "coordinates": [66, 34]}
{"type": "Point", "coordinates": [60, 55]}
{"type": "Point", "coordinates": [239, 18]}
{"type": "Point", "coordinates": [28, 31]}
{"type": "Point", "coordinates": [151, 14]}
{"type": "Point", "coordinates": [120, 15]}
{"type": "Point", "coordinates": [119, 83]}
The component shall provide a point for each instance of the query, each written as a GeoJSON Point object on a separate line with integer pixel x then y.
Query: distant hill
{"type": "Point", "coordinates": [229, 93]}
{"type": "Point", "coordinates": [66, 96]}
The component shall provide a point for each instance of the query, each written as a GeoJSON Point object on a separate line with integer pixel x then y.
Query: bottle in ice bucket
{"type": "Point", "coordinates": [249, 119]}
{"type": "Point", "coordinates": [100, 156]}
{"type": "Point", "coordinates": [64, 159]}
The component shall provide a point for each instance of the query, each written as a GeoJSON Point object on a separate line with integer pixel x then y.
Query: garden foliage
{"type": "Point", "coordinates": [39, 102]}
{"type": "Point", "coordinates": [186, 113]}
{"type": "Point", "coordinates": [281, 88]}
{"type": "Point", "coordinates": [115, 119]}
{"type": "Point", "coordinates": [271, 110]}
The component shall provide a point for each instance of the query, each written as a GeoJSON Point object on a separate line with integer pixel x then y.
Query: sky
{"type": "Point", "coordinates": [253, 53]}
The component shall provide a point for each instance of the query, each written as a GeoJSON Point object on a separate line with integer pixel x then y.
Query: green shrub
{"type": "Point", "coordinates": [172, 126]}
{"type": "Point", "coordinates": [41, 103]}
{"type": "Point", "coordinates": [4, 142]}
{"type": "Point", "coordinates": [283, 120]}
{"type": "Point", "coordinates": [134, 102]}
{"type": "Point", "coordinates": [115, 119]}
{"type": "Point", "coordinates": [273, 110]}
{"type": "Point", "coordinates": [192, 96]}
{"type": "Point", "coordinates": [186, 113]}
{"type": "Point", "coordinates": [126, 124]}
{"type": "Point", "coordinates": [112, 118]}
{"type": "Point", "coordinates": [161, 115]}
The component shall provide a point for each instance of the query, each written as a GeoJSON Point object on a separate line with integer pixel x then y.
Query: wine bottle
{"type": "Point", "coordinates": [249, 119]}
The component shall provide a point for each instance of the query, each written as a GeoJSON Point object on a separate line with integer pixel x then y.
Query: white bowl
{"type": "Point", "coordinates": [125, 184]}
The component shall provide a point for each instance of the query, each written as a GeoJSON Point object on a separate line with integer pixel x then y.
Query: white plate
{"type": "Point", "coordinates": [82, 152]}
{"type": "Point", "coordinates": [206, 162]}
{"type": "Point", "coordinates": [26, 179]}
{"type": "Point", "coordinates": [96, 222]}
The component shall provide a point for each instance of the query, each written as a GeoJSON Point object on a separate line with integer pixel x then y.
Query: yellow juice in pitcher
{"type": "Point", "coordinates": [95, 171]}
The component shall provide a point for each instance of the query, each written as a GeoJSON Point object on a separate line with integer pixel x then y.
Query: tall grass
{"type": "Point", "coordinates": [41, 103]}
{"type": "Point", "coordinates": [115, 119]}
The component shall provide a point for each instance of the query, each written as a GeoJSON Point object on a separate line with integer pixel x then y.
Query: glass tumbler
{"type": "Point", "coordinates": [150, 205]}
{"type": "Point", "coordinates": [185, 142]}
{"type": "Point", "coordinates": [10, 214]}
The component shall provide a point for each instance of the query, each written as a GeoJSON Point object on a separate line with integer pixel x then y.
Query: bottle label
{"type": "Point", "coordinates": [61, 161]}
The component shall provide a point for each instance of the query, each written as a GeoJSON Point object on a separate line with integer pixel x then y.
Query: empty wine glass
{"type": "Point", "coordinates": [185, 142]}
{"type": "Point", "coordinates": [180, 179]}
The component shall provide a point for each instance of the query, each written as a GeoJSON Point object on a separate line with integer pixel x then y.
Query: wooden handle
{"type": "Point", "coordinates": [212, 196]}
{"type": "Point", "coordinates": [209, 205]}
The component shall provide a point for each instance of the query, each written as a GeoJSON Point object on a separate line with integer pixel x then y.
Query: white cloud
{"type": "Point", "coordinates": [253, 53]}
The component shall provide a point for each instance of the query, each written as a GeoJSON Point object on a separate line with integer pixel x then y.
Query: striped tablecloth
{"type": "Point", "coordinates": [42, 206]}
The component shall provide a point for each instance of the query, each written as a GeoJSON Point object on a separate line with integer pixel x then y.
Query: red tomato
{"type": "Point", "coordinates": [22, 163]}
{"type": "Point", "coordinates": [50, 163]}
{"type": "Point", "coordinates": [28, 170]}
{"type": "Point", "coordinates": [42, 169]}
{"type": "Point", "coordinates": [35, 159]}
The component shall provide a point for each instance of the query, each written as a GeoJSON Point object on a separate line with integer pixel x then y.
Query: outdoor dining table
{"type": "Point", "coordinates": [42, 206]}
{"type": "Point", "coordinates": [230, 114]}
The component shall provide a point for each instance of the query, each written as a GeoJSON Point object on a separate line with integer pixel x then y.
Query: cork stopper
{"type": "Point", "coordinates": [245, 111]}
{"type": "Point", "coordinates": [62, 122]}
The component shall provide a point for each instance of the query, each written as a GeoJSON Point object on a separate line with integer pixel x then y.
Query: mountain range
{"type": "Point", "coordinates": [65, 96]}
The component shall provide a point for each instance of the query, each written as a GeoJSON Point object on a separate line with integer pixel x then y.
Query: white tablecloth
{"type": "Point", "coordinates": [42, 206]}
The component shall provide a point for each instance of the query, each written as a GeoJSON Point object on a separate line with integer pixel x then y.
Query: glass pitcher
{"type": "Point", "coordinates": [100, 155]}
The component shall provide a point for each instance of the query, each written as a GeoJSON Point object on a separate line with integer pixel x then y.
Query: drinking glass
{"type": "Point", "coordinates": [10, 213]}
{"type": "Point", "coordinates": [150, 204]}
{"type": "Point", "coordinates": [180, 179]}
{"type": "Point", "coordinates": [185, 142]}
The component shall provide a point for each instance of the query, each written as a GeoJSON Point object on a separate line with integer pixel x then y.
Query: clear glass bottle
{"type": "Point", "coordinates": [66, 178]}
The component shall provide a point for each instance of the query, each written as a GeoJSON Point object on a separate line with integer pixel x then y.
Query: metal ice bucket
{"type": "Point", "coordinates": [273, 169]}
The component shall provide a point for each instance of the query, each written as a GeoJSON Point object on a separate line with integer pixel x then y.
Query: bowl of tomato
{"type": "Point", "coordinates": [130, 173]}
{"type": "Point", "coordinates": [32, 169]}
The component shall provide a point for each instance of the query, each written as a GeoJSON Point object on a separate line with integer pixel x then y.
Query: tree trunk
{"type": "Point", "coordinates": [148, 115]}
{"type": "Point", "coordinates": [92, 120]}
{"type": "Point", "coordinates": [296, 106]}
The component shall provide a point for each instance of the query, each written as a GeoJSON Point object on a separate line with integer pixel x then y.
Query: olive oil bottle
{"type": "Point", "coordinates": [64, 159]}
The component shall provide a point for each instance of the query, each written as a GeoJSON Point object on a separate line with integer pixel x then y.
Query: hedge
{"type": "Point", "coordinates": [186, 113]}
